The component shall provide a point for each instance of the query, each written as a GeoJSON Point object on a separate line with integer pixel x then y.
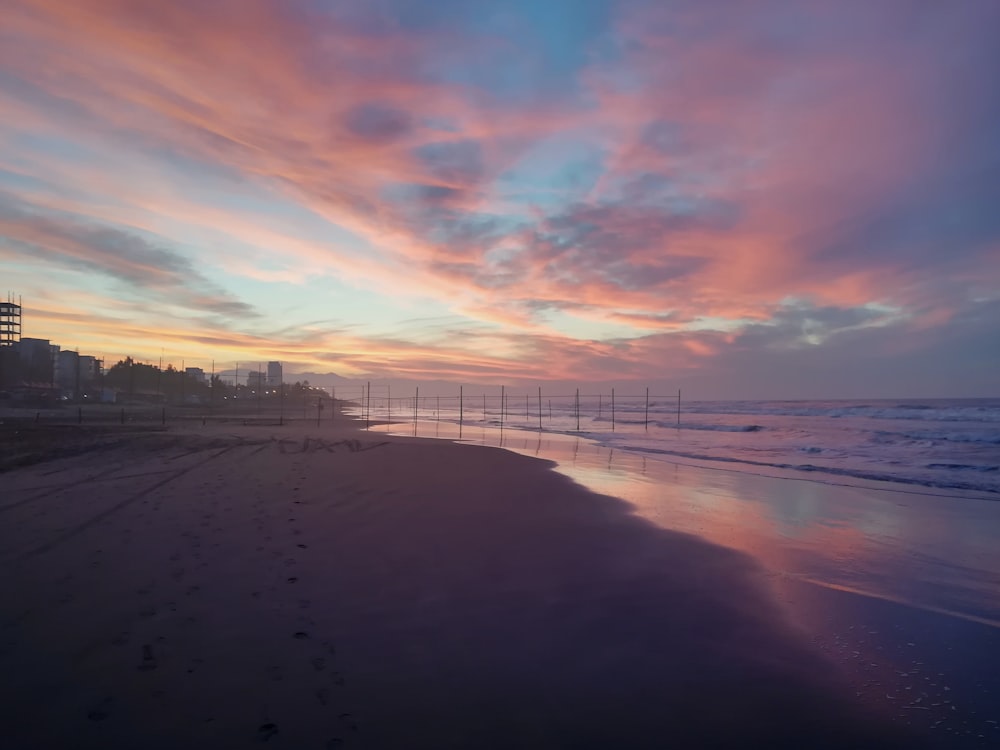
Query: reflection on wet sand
{"type": "Point", "coordinates": [894, 543]}
{"type": "Point", "coordinates": [898, 587]}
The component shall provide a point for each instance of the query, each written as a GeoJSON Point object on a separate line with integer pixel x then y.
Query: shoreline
{"type": "Point", "coordinates": [488, 435]}
{"type": "Point", "coordinates": [333, 588]}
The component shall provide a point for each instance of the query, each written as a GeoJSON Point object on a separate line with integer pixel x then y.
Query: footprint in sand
{"type": "Point", "coordinates": [292, 579]}
{"type": "Point", "coordinates": [267, 731]}
{"type": "Point", "coordinates": [349, 720]}
{"type": "Point", "coordinates": [301, 635]}
{"type": "Point", "coordinates": [148, 663]}
{"type": "Point", "coordinates": [101, 711]}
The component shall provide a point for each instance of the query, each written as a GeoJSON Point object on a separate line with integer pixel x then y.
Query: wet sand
{"type": "Point", "coordinates": [321, 587]}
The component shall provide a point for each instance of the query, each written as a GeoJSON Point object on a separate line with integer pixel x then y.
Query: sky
{"type": "Point", "coordinates": [747, 199]}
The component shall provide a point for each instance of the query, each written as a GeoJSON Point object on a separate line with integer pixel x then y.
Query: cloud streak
{"type": "Point", "coordinates": [717, 180]}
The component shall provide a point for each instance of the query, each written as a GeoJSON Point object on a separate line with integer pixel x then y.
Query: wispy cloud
{"type": "Point", "coordinates": [587, 183]}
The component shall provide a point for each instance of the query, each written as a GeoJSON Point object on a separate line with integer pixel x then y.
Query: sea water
{"type": "Point", "coordinates": [949, 444]}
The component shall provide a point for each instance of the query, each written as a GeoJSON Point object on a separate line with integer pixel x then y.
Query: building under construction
{"type": "Point", "coordinates": [10, 321]}
{"type": "Point", "coordinates": [10, 337]}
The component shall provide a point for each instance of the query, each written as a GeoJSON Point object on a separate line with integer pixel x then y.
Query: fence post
{"type": "Point", "coordinates": [678, 407]}
{"type": "Point", "coordinates": [503, 402]}
{"type": "Point", "coordinates": [539, 408]}
{"type": "Point", "coordinates": [577, 409]}
{"type": "Point", "coordinates": [461, 404]}
{"type": "Point", "coordinates": [416, 402]}
{"type": "Point", "coordinates": [646, 418]}
{"type": "Point", "coordinates": [612, 409]}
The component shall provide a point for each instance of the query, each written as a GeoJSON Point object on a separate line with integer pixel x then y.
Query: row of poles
{"type": "Point", "coordinates": [366, 397]}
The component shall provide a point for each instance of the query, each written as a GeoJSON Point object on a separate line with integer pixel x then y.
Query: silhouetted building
{"type": "Point", "coordinates": [10, 335]}
{"type": "Point", "coordinates": [274, 374]}
{"type": "Point", "coordinates": [10, 323]}
{"type": "Point", "coordinates": [68, 374]}
{"type": "Point", "coordinates": [197, 373]}
{"type": "Point", "coordinates": [37, 360]}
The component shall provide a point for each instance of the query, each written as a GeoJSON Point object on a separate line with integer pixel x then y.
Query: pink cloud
{"type": "Point", "coordinates": [741, 167]}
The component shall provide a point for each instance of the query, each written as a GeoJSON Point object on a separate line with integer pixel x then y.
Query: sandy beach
{"type": "Point", "coordinates": [326, 587]}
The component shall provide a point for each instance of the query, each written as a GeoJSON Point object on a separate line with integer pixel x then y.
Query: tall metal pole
{"type": "Point", "coordinates": [416, 401]}
{"type": "Point", "coordinates": [612, 409]}
{"type": "Point", "coordinates": [388, 401]}
{"type": "Point", "coordinates": [461, 404]}
{"type": "Point", "coordinates": [503, 400]}
{"type": "Point", "coordinates": [539, 408]}
{"type": "Point", "coordinates": [646, 419]}
{"type": "Point", "coordinates": [260, 387]}
{"type": "Point", "coordinates": [368, 407]}
{"type": "Point", "coordinates": [577, 409]}
{"type": "Point", "coordinates": [678, 407]}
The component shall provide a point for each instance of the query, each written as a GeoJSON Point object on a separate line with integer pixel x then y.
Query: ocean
{"type": "Point", "coordinates": [947, 444]}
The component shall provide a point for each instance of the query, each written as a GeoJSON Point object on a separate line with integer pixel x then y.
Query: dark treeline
{"type": "Point", "coordinates": [140, 380]}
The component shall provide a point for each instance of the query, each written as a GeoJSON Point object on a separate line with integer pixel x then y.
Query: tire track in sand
{"type": "Point", "coordinates": [93, 520]}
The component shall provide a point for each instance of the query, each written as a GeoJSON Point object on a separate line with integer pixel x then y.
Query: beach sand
{"type": "Point", "coordinates": [307, 587]}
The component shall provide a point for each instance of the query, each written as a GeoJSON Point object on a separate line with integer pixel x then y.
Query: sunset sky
{"type": "Point", "coordinates": [749, 199]}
